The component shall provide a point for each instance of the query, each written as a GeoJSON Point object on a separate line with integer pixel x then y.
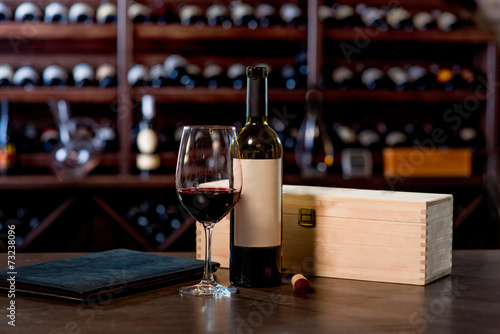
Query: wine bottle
{"type": "Point", "coordinates": [107, 12]}
{"type": "Point", "coordinates": [139, 13]}
{"type": "Point", "coordinates": [420, 78]}
{"type": "Point", "coordinates": [5, 12]}
{"type": "Point", "coordinates": [107, 134]}
{"type": "Point", "coordinates": [243, 15]}
{"type": "Point", "coordinates": [83, 75]}
{"type": "Point", "coordinates": [267, 15]}
{"type": "Point", "coordinates": [56, 12]}
{"type": "Point", "coordinates": [289, 77]}
{"type": "Point", "coordinates": [55, 75]}
{"type": "Point", "coordinates": [175, 66]}
{"type": "Point", "coordinates": [373, 78]}
{"type": "Point", "coordinates": [192, 77]}
{"type": "Point", "coordinates": [255, 241]}
{"type": "Point", "coordinates": [469, 78]}
{"type": "Point", "coordinates": [28, 11]}
{"type": "Point", "coordinates": [81, 12]}
{"type": "Point", "coordinates": [138, 75]}
{"type": "Point", "coordinates": [396, 138]}
{"type": "Point", "coordinates": [399, 18]}
{"type": "Point", "coordinates": [345, 16]}
{"type": "Point", "coordinates": [6, 75]}
{"type": "Point", "coordinates": [218, 14]}
{"type": "Point", "coordinates": [293, 15]}
{"type": "Point", "coordinates": [192, 14]}
{"type": "Point", "coordinates": [214, 76]}
{"type": "Point", "coordinates": [29, 138]}
{"type": "Point", "coordinates": [423, 21]}
{"type": "Point", "coordinates": [49, 138]}
{"type": "Point", "coordinates": [326, 15]}
{"type": "Point", "coordinates": [314, 152]}
{"type": "Point", "coordinates": [444, 78]}
{"type": "Point", "coordinates": [447, 21]}
{"type": "Point", "coordinates": [7, 147]}
{"type": "Point", "coordinates": [148, 158]}
{"type": "Point", "coordinates": [105, 75]}
{"type": "Point", "coordinates": [26, 76]}
{"type": "Point", "coordinates": [345, 136]}
{"type": "Point", "coordinates": [399, 77]}
{"type": "Point", "coordinates": [236, 75]}
{"type": "Point", "coordinates": [370, 139]}
{"type": "Point", "coordinates": [373, 17]}
{"type": "Point", "coordinates": [161, 14]}
{"type": "Point", "coordinates": [158, 76]}
{"type": "Point", "coordinates": [343, 78]}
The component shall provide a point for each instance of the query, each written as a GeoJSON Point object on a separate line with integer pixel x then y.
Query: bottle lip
{"type": "Point", "coordinates": [256, 72]}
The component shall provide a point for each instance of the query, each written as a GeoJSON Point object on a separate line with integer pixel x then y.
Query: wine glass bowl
{"type": "Point", "coordinates": [208, 181]}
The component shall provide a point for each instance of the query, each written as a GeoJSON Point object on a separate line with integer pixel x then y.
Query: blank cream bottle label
{"type": "Point", "coordinates": [257, 215]}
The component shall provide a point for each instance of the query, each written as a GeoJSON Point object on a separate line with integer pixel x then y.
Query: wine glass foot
{"type": "Point", "coordinates": [208, 289]}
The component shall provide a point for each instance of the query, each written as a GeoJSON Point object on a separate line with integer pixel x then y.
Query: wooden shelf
{"type": "Point", "coordinates": [178, 32]}
{"type": "Point", "coordinates": [464, 35]}
{"type": "Point", "coordinates": [71, 94]}
{"type": "Point", "coordinates": [42, 31]}
{"type": "Point", "coordinates": [219, 95]}
{"type": "Point", "coordinates": [387, 95]}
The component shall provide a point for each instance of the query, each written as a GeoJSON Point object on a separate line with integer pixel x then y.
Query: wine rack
{"type": "Point", "coordinates": [125, 43]}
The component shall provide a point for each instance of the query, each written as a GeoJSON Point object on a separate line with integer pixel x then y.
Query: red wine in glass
{"type": "Point", "coordinates": [209, 204]}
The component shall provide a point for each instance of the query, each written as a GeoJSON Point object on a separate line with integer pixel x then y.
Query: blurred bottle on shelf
{"type": "Point", "coordinates": [267, 15]}
{"type": "Point", "coordinates": [106, 12]}
{"type": "Point", "coordinates": [175, 67]}
{"type": "Point", "coordinates": [105, 75]}
{"type": "Point", "coordinates": [345, 136]}
{"type": "Point", "coordinates": [243, 15]}
{"type": "Point", "coordinates": [7, 144]}
{"type": "Point", "coordinates": [26, 76]}
{"type": "Point", "coordinates": [138, 76]}
{"type": "Point", "coordinates": [326, 15]}
{"type": "Point", "coordinates": [289, 77]}
{"type": "Point", "coordinates": [214, 76]}
{"type": "Point", "coordinates": [106, 133]}
{"type": "Point", "coordinates": [342, 77]}
{"type": "Point", "coordinates": [158, 76]}
{"type": "Point", "coordinates": [163, 14]}
{"type": "Point", "coordinates": [470, 137]}
{"type": "Point", "coordinates": [398, 77]}
{"type": "Point", "coordinates": [374, 78]}
{"type": "Point", "coordinates": [446, 21]}
{"type": "Point", "coordinates": [237, 75]}
{"type": "Point", "coordinates": [293, 15]}
{"type": "Point", "coordinates": [372, 17]}
{"type": "Point", "coordinates": [218, 15]}
{"type": "Point", "coordinates": [399, 18]}
{"type": "Point", "coordinates": [6, 75]}
{"type": "Point", "coordinates": [55, 75]}
{"type": "Point", "coordinates": [139, 13]}
{"type": "Point", "coordinates": [370, 138]}
{"type": "Point", "coordinates": [420, 78]}
{"type": "Point", "coordinates": [345, 16]}
{"type": "Point", "coordinates": [192, 77]}
{"type": "Point", "coordinates": [56, 12]}
{"type": "Point", "coordinates": [192, 14]}
{"type": "Point", "coordinates": [148, 159]}
{"type": "Point", "coordinates": [5, 12]}
{"type": "Point", "coordinates": [49, 138]}
{"type": "Point", "coordinates": [445, 78]}
{"type": "Point", "coordinates": [423, 21]}
{"type": "Point", "coordinates": [83, 75]}
{"type": "Point", "coordinates": [469, 78]}
{"type": "Point", "coordinates": [29, 138]}
{"type": "Point", "coordinates": [314, 152]}
{"type": "Point", "coordinates": [28, 11]}
{"type": "Point", "coordinates": [81, 12]}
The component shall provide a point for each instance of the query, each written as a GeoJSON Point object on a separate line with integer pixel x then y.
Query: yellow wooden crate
{"type": "Point", "coordinates": [385, 236]}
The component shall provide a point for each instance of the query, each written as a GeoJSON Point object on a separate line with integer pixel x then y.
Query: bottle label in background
{"type": "Point", "coordinates": [257, 216]}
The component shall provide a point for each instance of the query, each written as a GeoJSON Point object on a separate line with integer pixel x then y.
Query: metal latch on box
{"type": "Point", "coordinates": [307, 217]}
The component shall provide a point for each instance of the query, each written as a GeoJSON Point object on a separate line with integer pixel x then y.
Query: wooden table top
{"type": "Point", "coordinates": [467, 301]}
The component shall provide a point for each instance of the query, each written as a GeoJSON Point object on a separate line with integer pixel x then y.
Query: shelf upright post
{"type": "Point", "coordinates": [124, 52]}
{"type": "Point", "coordinates": [314, 44]}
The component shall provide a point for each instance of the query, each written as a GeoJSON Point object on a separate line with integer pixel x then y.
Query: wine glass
{"type": "Point", "coordinates": [208, 181]}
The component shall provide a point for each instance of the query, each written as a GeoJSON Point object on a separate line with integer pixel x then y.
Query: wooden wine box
{"type": "Point", "coordinates": [427, 162]}
{"type": "Point", "coordinates": [385, 236]}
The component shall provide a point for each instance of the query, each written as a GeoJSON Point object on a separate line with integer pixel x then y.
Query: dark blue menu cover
{"type": "Point", "coordinates": [100, 276]}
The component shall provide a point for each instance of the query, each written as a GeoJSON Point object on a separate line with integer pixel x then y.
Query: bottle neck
{"type": "Point", "coordinates": [256, 100]}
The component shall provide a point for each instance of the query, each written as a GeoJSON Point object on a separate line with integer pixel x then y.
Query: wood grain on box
{"type": "Point", "coordinates": [385, 236]}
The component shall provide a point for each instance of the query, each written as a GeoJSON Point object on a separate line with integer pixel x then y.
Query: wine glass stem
{"type": "Point", "coordinates": [207, 274]}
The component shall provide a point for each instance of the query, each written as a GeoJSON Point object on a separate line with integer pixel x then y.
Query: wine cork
{"type": "Point", "coordinates": [300, 283]}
